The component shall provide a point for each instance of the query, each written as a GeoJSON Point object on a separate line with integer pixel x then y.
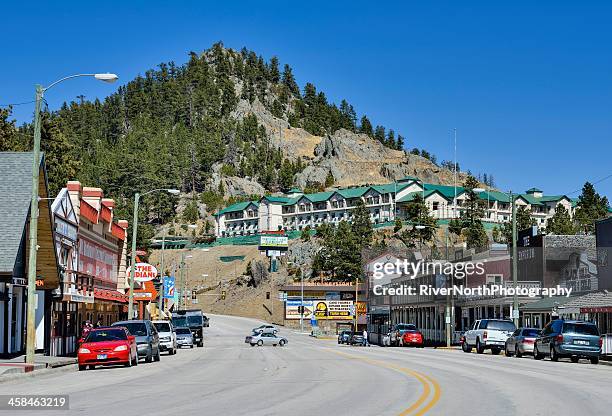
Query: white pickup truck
{"type": "Point", "coordinates": [487, 334]}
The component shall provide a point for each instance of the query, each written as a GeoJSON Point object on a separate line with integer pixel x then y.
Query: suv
{"type": "Point", "coordinates": [487, 334]}
{"type": "Point", "coordinates": [167, 336]}
{"type": "Point", "coordinates": [344, 337]}
{"type": "Point", "coordinates": [147, 338]}
{"type": "Point", "coordinates": [194, 320]}
{"type": "Point", "coordinates": [573, 339]}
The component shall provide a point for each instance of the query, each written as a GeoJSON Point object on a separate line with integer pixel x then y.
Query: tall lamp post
{"type": "Point", "coordinates": [134, 233]}
{"type": "Point", "coordinates": [33, 230]}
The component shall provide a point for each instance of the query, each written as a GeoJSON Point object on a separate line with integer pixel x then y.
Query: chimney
{"type": "Point", "coordinates": [93, 196]}
{"type": "Point", "coordinates": [74, 190]}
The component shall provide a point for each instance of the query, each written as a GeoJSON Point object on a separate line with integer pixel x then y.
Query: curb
{"type": "Point", "coordinates": [43, 371]}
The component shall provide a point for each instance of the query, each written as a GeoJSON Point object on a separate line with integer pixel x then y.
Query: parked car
{"type": "Point", "coordinates": [398, 331]}
{"type": "Point", "coordinates": [357, 338]}
{"type": "Point", "coordinates": [521, 342]}
{"type": "Point", "coordinates": [184, 337]}
{"type": "Point", "coordinates": [167, 336]}
{"type": "Point", "coordinates": [266, 338]}
{"type": "Point", "coordinates": [573, 339]}
{"type": "Point", "coordinates": [268, 329]}
{"type": "Point", "coordinates": [344, 337]}
{"type": "Point", "coordinates": [107, 346]}
{"type": "Point", "coordinates": [147, 338]}
{"type": "Point", "coordinates": [487, 334]}
{"type": "Point", "coordinates": [412, 338]}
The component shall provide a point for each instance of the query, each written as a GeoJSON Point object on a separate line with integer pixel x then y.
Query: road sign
{"type": "Point", "coordinates": [148, 292]}
{"type": "Point", "coordinates": [515, 314]}
{"type": "Point", "coordinates": [169, 287]}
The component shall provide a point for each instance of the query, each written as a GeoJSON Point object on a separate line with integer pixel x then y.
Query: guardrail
{"type": "Point", "coordinates": [606, 346]}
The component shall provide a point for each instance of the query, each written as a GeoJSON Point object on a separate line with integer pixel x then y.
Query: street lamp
{"type": "Point", "coordinates": [33, 230]}
{"type": "Point", "coordinates": [134, 231]}
{"type": "Point", "coordinates": [515, 307]}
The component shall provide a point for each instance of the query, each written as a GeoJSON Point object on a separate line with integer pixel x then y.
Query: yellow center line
{"type": "Point", "coordinates": [423, 379]}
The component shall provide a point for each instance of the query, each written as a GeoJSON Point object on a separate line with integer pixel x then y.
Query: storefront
{"type": "Point", "coordinates": [16, 180]}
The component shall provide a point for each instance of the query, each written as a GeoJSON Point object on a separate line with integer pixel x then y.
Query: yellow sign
{"type": "Point", "coordinates": [333, 309]}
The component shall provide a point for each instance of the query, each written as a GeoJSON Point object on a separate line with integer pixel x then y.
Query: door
{"type": "Point", "coordinates": [470, 336]}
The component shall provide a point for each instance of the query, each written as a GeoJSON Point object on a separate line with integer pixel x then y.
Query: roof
{"type": "Point", "coordinates": [410, 196]}
{"type": "Point", "coordinates": [390, 187]}
{"type": "Point", "coordinates": [16, 192]}
{"type": "Point", "coordinates": [319, 196]}
{"type": "Point", "coordinates": [409, 178]}
{"type": "Point", "coordinates": [533, 190]}
{"type": "Point", "coordinates": [591, 300]}
{"type": "Point", "coordinates": [239, 206]}
{"type": "Point", "coordinates": [446, 190]}
{"type": "Point", "coordinates": [530, 198]}
{"type": "Point", "coordinates": [295, 191]}
{"type": "Point", "coordinates": [552, 198]}
{"type": "Point", "coordinates": [279, 199]}
{"type": "Point", "coordinates": [546, 303]}
{"type": "Point", "coordinates": [353, 192]}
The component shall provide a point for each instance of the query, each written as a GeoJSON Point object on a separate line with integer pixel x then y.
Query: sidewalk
{"type": "Point", "coordinates": [17, 364]}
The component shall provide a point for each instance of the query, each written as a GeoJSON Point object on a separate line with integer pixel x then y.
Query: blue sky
{"type": "Point", "coordinates": [528, 87]}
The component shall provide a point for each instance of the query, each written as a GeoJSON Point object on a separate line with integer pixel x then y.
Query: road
{"type": "Point", "coordinates": [319, 377]}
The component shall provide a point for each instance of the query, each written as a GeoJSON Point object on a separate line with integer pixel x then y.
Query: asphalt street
{"type": "Point", "coordinates": [319, 377]}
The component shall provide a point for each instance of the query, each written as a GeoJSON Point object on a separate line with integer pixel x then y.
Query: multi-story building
{"type": "Point", "coordinates": [296, 210]}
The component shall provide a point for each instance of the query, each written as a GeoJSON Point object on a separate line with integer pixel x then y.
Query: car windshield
{"type": "Point", "coordinates": [179, 321]}
{"type": "Point", "coordinates": [162, 326]}
{"type": "Point", "coordinates": [501, 325]}
{"type": "Point", "coordinates": [581, 329]}
{"type": "Point", "coordinates": [531, 332]}
{"type": "Point", "coordinates": [194, 320]}
{"type": "Point", "coordinates": [406, 328]}
{"type": "Point", "coordinates": [136, 328]}
{"type": "Point", "coordinates": [183, 331]}
{"type": "Point", "coordinates": [106, 335]}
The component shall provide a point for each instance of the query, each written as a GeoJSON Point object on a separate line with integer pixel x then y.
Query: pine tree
{"type": "Point", "coordinates": [366, 127]}
{"type": "Point", "coordinates": [379, 134]}
{"type": "Point", "coordinates": [305, 235]}
{"type": "Point", "coordinates": [391, 139]}
{"type": "Point", "coordinates": [590, 208]}
{"type": "Point", "coordinates": [362, 226]}
{"type": "Point", "coordinates": [400, 142]}
{"type": "Point", "coordinates": [273, 70]}
{"type": "Point", "coordinates": [560, 223]}
{"type": "Point", "coordinates": [8, 132]}
{"type": "Point", "coordinates": [329, 180]}
{"type": "Point", "coordinates": [289, 81]}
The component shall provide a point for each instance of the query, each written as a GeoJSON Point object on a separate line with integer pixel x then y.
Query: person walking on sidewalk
{"type": "Point", "coordinates": [365, 338]}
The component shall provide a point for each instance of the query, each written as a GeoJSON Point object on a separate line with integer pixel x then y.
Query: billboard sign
{"type": "Point", "coordinates": [333, 309]}
{"type": "Point", "coordinates": [292, 311]}
{"type": "Point", "coordinates": [278, 241]}
{"type": "Point", "coordinates": [144, 272]}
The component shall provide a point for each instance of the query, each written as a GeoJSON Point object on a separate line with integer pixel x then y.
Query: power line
{"type": "Point", "coordinates": [594, 183]}
{"type": "Point", "coordinates": [14, 104]}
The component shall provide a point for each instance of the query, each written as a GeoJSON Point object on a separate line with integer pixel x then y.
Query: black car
{"type": "Point", "coordinates": [344, 337]}
{"type": "Point", "coordinates": [192, 319]}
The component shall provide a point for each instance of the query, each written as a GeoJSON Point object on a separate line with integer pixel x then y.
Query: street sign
{"type": "Point", "coordinates": [515, 314]}
{"type": "Point", "coordinates": [169, 287]}
{"type": "Point", "coordinates": [148, 292]}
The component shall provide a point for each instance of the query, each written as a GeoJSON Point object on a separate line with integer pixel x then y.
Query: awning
{"type": "Point", "coordinates": [111, 295]}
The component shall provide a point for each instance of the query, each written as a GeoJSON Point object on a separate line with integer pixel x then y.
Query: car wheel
{"type": "Point", "coordinates": [259, 343]}
{"type": "Point", "coordinates": [536, 353]}
{"type": "Point", "coordinates": [479, 347]}
{"type": "Point", "coordinates": [466, 347]}
{"type": "Point", "coordinates": [158, 355]}
{"type": "Point", "coordinates": [149, 356]}
{"type": "Point", "coordinates": [517, 351]}
{"type": "Point", "coordinates": [128, 363]}
{"type": "Point", "coordinates": [495, 350]}
{"type": "Point", "coordinates": [274, 345]}
{"type": "Point", "coordinates": [507, 351]}
{"type": "Point", "coordinates": [282, 343]}
{"type": "Point", "coordinates": [82, 367]}
{"type": "Point", "coordinates": [191, 346]}
{"type": "Point", "coordinates": [553, 354]}
{"type": "Point", "coordinates": [252, 345]}
{"type": "Point", "coordinates": [574, 358]}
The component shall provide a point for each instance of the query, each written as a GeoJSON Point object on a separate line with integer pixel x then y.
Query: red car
{"type": "Point", "coordinates": [108, 346]}
{"type": "Point", "coordinates": [413, 338]}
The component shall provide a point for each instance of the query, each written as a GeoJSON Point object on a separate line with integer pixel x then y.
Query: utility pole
{"type": "Point", "coordinates": [161, 294]}
{"type": "Point", "coordinates": [455, 175]}
{"type": "Point", "coordinates": [302, 302]}
{"type": "Point", "coordinates": [33, 234]}
{"type": "Point", "coordinates": [515, 310]}
{"type": "Point", "coordinates": [133, 265]}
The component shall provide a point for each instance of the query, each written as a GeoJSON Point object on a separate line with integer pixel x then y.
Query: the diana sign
{"type": "Point", "coordinates": [143, 273]}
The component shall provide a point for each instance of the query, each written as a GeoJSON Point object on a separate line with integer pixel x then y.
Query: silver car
{"type": "Point", "coordinates": [268, 329]}
{"type": "Point", "coordinates": [167, 336]}
{"type": "Point", "coordinates": [266, 339]}
{"type": "Point", "coordinates": [184, 337]}
{"type": "Point", "coordinates": [521, 342]}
